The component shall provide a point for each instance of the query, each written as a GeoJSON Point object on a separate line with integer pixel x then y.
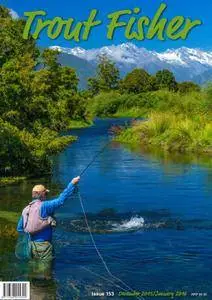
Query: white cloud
{"type": "Point", "coordinates": [13, 14]}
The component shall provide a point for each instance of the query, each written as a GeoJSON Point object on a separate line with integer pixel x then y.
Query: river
{"type": "Point", "coordinates": [151, 219]}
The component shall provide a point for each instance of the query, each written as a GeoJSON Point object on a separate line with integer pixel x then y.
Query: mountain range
{"type": "Point", "coordinates": [187, 64]}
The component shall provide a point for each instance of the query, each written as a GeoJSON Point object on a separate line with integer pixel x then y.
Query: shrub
{"type": "Point", "coordinates": [25, 153]}
{"type": "Point", "coordinates": [190, 104]}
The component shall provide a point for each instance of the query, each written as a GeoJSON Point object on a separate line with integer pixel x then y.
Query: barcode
{"type": "Point", "coordinates": [14, 290]}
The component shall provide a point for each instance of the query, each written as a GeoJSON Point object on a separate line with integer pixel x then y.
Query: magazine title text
{"type": "Point", "coordinates": [134, 25]}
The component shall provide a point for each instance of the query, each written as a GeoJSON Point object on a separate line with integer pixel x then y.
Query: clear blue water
{"type": "Point", "coordinates": [151, 218]}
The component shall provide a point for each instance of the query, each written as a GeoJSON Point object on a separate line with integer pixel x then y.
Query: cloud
{"type": "Point", "coordinates": [13, 14]}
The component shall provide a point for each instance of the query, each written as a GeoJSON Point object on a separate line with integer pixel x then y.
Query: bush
{"type": "Point", "coordinates": [25, 153]}
{"type": "Point", "coordinates": [105, 104]}
{"type": "Point", "coordinates": [108, 104]}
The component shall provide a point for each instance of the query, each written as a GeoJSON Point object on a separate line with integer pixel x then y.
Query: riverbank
{"type": "Point", "coordinates": [134, 112]}
{"type": "Point", "coordinates": [38, 152]}
{"type": "Point", "coordinates": [78, 124]}
{"type": "Point", "coordinates": [174, 121]}
{"type": "Point", "coordinates": [50, 145]}
{"type": "Point", "coordinates": [42, 153]}
{"type": "Point", "coordinates": [171, 133]}
{"type": "Point", "coordinates": [8, 223]}
{"type": "Point", "coordinates": [11, 180]}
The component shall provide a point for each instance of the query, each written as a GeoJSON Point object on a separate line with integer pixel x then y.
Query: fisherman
{"type": "Point", "coordinates": [37, 219]}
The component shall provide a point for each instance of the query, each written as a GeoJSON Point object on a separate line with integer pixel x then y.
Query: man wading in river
{"type": "Point", "coordinates": [37, 219]}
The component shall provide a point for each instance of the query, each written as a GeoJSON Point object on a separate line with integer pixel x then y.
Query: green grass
{"type": "Point", "coordinates": [11, 217]}
{"type": "Point", "coordinates": [134, 112]}
{"type": "Point", "coordinates": [10, 180]}
{"type": "Point", "coordinates": [8, 223]}
{"type": "Point", "coordinates": [75, 124]}
{"type": "Point", "coordinates": [176, 122]}
{"type": "Point", "coordinates": [59, 143]}
{"type": "Point", "coordinates": [171, 133]}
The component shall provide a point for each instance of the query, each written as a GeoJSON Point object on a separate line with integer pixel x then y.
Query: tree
{"type": "Point", "coordinates": [136, 82]}
{"type": "Point", "coordinates": [108, 74]}
{"type": "Point", "coordinates": [4, 12]}
{"type": "Point", "coordinates": [107, 77]}
{"type": "Point", "coordinates": [208, 95]}
{"type": "Point", "coordinates": [187, 87]}
{"type": "Point", "coordinates": [166, 80]}
{"type": "Point", "coordinates": [93, 86]}
{"type": "Point", "coordinates": [13, 152]}
{"type": "Point", "coordinates": [12, 43]}
{"type": "Point", "coordinates": [52, 93]}
{"type": "Point", "coordinates": [50, 59]}
{"type": "Point", "coordinates": [15, 84]}
{"type": "Point", "coordinates": [68, 80]}
{"type": "Point", "coordinates": [153, 84]}
{"type": "Point", "coordinates": [35, 103]}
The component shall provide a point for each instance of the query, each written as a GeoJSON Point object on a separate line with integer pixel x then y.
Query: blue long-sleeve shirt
{"type": "Point", "coordinates": [47, 209]}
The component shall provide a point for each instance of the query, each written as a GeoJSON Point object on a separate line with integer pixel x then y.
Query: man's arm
{"type": "Point", "coordinates": [20, 225]}
{"type": "Point", "coordinates": [49, 207]}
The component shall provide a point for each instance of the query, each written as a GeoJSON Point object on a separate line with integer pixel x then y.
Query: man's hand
{"type": "Point", "coordinates": [75, 180]}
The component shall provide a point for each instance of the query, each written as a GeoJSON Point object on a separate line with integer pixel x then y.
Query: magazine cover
{"type": "Point", "coordinates": [105, 149]}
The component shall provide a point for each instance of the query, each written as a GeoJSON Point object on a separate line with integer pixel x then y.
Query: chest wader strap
{"type": "Point", "coordinates": [27, 218]}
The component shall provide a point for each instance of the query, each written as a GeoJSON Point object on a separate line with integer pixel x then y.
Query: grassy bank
{"type": "Point", "coordinates": [8, 223]}
{"type": "Point", "coordinates": [10, 180]}
{"type": "Point", "coordinates": [77, 124]}
{"type": "Point", "coordinates": [174, 121]}
{"type": "Point", "coordinates": [11, 217]}
{"type": "Point", "coordinates": [134, 112]}
{"type": "Point", "coordinates": [171, 133]}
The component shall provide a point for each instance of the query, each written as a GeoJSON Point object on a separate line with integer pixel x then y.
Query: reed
{"type": "Point", "coordinates": [171, 133]}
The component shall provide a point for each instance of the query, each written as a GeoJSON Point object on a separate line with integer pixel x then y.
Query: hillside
{"type": "Point", "coordinates": [185, 63]}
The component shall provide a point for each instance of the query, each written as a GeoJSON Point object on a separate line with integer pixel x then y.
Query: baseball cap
{"type": "Point", "coordinates": [39, 188]}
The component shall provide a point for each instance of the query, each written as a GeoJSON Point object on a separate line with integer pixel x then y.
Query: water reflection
{"type": "Point", "coordinates": [183, 162]}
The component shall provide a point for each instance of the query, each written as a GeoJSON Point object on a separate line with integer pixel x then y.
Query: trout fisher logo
{"type": "Point", "coordinates": [130, 21]}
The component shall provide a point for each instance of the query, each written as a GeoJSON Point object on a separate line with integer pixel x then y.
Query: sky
{"type": "Point", "coordinates": [200, 36]}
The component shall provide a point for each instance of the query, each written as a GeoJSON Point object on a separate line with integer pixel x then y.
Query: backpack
{"type": "Point", "coordinates": [32, 221]}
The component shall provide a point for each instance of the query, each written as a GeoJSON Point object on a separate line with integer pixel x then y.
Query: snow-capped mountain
{"type": "Point", "coordinates": [186, 63]}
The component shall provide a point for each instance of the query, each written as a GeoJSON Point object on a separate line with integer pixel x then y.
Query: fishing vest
{"type": "Point", "coordinates": [32, 221]}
